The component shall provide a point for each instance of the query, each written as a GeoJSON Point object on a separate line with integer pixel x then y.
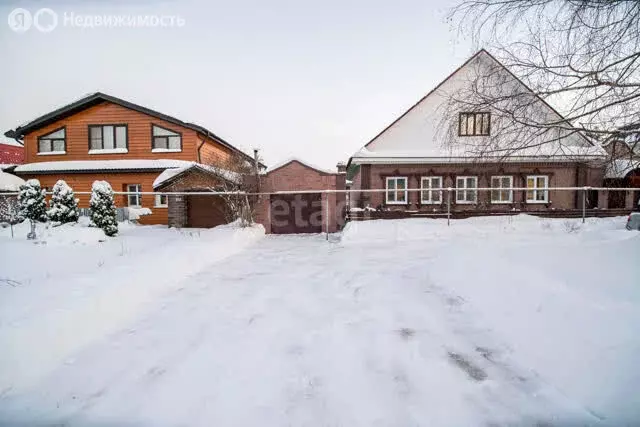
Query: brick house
{"type": "Point", "coordinates": [623, 168]}
{"type": "Point", "coordinates": [10, 154]}
{"type": "Point", "coordinates": [303, 207]}
{"type": "Point", "coordinates": [101, 137]}
{"type": "Point", "coordinates": [411, 153]}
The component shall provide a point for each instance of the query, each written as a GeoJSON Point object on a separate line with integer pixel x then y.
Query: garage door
{"type": "Point", "coordinates": [296, 213]}
{"type": "Point", "coordinates": [205, 211]}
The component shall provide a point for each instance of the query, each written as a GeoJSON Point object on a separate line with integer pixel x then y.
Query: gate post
{"type": "Point", "coordinates": [448, 206]}
{"type": "Point", "coordinates": [584, 203]}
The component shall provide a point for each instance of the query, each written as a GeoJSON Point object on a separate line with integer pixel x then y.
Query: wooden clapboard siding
{"type": "Point", "coordinates": [138, 136]}
{"type": "Point", "coordinates": [213, 154]}
{"type": "Point", "coordinates": [195, 147]}
{"type": "Point", "coordinates": [82, 182]}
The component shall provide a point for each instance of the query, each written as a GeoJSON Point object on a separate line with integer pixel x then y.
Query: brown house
{"type": "Point", "coordinates": [412, 154]}
{"type": "Point", "coordinates": [101, 137]}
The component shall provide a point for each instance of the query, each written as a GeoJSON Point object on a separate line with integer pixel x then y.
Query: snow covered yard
{"type": "Point", "coordinates": [492, 321]}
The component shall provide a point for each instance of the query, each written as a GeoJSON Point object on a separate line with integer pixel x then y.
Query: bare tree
{"type": "Point", "coordinates": [582, 56]}
{"type": "Point", "coordinates": [237, 177]}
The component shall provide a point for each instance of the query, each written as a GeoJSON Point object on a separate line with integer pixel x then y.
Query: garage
{"type": "Point", "coordinates": [205, 211]}
{"type": "Point", "coordinates": [296, 213]}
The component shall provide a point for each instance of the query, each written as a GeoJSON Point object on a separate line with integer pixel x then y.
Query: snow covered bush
{"type": "Point", "coordinates": [32, 204]}
{"type": "Point", "coordinates": [10, 211]}
{"type": "Point", "coordinates": [103, 209]}
{"type": "Point", "coordinates": [63, 206]}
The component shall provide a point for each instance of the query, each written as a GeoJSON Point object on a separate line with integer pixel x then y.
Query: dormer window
{"type": "Point", "coordinates": [164, 140]}
{"type": "Point", "coordinates": [474, 124]}
{"type": "Point", "coordinates": [53, 143]}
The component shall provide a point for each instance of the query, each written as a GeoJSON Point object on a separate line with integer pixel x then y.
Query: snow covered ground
{"type": "Point", "coordinates": [492, 321]}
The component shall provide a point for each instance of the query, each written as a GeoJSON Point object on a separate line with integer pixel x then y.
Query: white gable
{"type": "Point", "coordinates": [428, 131]}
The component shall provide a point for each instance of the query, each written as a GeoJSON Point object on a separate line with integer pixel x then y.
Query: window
{"type": "Point", "coordinates": [397, 190]}
{"type": "Point", "coordinates": [108, 138]}
{"type": "Point", "coordinates": [134, 200]}
{"type": "Point", "coordinates": [161, 201]}
{"type": "Point", "coordinates": [474, 124]}
{"type": "Point", "coordinates": [428, 192]}
{"type": "Point", "coordinates": [52, 143]}
{"type": "Point", "coordinates": [536, 189]}
{"type": "Point", "coordinates": [164, 140]}
{"type": "Point", "coordinates": [465, 189]}
{"type": "Point", "coordinates": [498, 195]}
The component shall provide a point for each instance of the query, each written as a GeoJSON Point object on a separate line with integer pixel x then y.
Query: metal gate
{"type": "Point", "coordinates": [296, 213]}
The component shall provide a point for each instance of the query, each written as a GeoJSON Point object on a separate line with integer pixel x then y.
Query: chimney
{"type": "Point", "coordinates": [256, 167]}
{"type": "Point", "coordinates": [342, 167]}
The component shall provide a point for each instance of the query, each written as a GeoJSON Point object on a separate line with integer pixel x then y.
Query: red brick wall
{"type": "Point", "coordinates": [560, 175]}
{"type": "Point", "coordinates": [296, 176]}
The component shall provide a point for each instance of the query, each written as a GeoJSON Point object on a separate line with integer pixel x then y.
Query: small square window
{"type": "Point", "coordinates": [500, 192]}
{"type": "Point", "coordinates": [162, 201]}
{"type": "Point", "coordinates": [396, 190]}
{"type": "Point", "coordinates": [466, 192]}
{"type": "Point", "coordinates": [431, 191]}
{"type": "Point", "coordinates": [474, 124]}
{"type": "Point", "coordinates": [537, 189]}
{"type": "Point", "coordinates": [134, 199]}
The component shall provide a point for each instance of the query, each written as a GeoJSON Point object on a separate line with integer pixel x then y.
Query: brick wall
{"type": "Point", "coordinates": [560, 175]}
{"type": "Point", "coordinates": [297, 176]}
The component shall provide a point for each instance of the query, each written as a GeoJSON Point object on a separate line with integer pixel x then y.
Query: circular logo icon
{"type": "Point", "coordinates": [45, 20]}
{"type": "Point", "coordinates": [20, 20]}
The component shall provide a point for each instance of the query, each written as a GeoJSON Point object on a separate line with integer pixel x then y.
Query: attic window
{"type": "Point", "coordinates": [474, 124]}
{"type": "Point", "coordinates": [164, 140]}
{"type": "Point", "coordinates": [52, 143]}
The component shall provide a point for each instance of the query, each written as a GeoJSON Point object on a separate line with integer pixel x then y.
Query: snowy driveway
{"type": "Point", "coordinates": [400, 323]}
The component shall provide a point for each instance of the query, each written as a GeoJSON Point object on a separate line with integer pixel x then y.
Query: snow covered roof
{"type": "Point", "coordinates": [10, 183]}
{"type": "Point", "coordinates": [101, 165]}
{"type": "Point", "coordinates": [620, 168]}
{"type": "Point", "coordinates": [432, 155]}
{"type": "Point", "coordinates": [419, 136]}
{"type": "Point", "coordinates": [303, 162]}
{"type": "Point", "coordinates": [169, 174]}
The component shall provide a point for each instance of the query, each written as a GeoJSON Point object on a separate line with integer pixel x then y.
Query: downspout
{"type": "Point", "coordinates": [198, 150]}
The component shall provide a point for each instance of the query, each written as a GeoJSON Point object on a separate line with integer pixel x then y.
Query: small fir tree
{"type": "Point", "coordinates": [103, 209]}
{"type": "Point", "coordinates": [63, 205]}
{"type": "Point", "coordinates": [32, 204]}
{"type": "Point", "coordinates": [10, 211]}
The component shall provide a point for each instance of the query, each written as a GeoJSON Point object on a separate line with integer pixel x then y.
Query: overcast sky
{"type": "Point", "coordinates": [311, 79]}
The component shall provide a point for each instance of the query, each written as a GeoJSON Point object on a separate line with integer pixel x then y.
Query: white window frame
{"type": "Point", "coordinates": [395, 190]}
{"type": "Point", "coordinates": [464, 190]}
{"type": "Point", "coordinates": [535, 189]}
{"type": "Point", "coordinates": [162, 133]}
{"type": "Point", "coordinates": [51, 140]}
{"type": "Point", "coordinates": [430, 190]}
{"type": "Point", "coordinates": [134, 188]}
{"type": "Point", "coordinates": [159, 203]}
{"type": "Point", "coordinates": [500, 190]}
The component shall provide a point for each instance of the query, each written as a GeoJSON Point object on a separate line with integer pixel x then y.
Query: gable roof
{"type": "Point", "coordinates": [302, 162]}
{"type": "Point", "coordinates": [591, 150]}
{"type": "Point", "coordinates": [172, 175]}
{"type": "Point", "coordinates": [98, 98]}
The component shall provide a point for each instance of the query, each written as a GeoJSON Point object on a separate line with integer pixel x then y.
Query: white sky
{"type": "Point", "coordinates": [312, 79]}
